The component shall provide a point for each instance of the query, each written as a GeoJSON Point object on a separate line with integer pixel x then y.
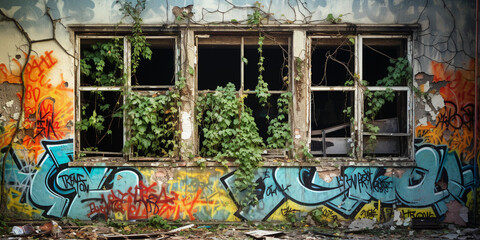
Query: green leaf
{"type": "Point", "coordinates": [245, 60]}
{"type": "Point", "coordinates": [191, 71]}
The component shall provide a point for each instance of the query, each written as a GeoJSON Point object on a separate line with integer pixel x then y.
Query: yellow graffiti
{"type": "Point", "coordinates": [120, 216]}
{"type": "Point", "coordinates": [14, 203]}
{"type": "Point", "coordinates": [370, 211]}
{"type": "Point", "coordinates": [417, 212]}
{"type": "Point", "coordinates": [213, 199]}
{"type": "Point", "coordinates": [470, 200]}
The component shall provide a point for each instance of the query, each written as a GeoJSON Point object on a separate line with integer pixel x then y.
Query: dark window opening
{"type": "Point", "coordinates": [385, 146]}
{"type": "Point", "coordinates": [274, 63]}
{"type": "Point", "coordinates": [160, 69]}
{"type": "Point", "coordinates": [376, 58]}
{"type": "Point", "coordinates": [221, 60]}
{"type": "Point", "coordinates": [105, 104]}
{"type": "Point", "coordinates": [218, 65]}
{"type": "Point", "coordinates": [331, 127]}
{"type": "Point", "coordinates": [331, 63]}
{"type": "Point", "coordinates": [260, 113]}
{"type": "Point", "coordinates": [391, 120]}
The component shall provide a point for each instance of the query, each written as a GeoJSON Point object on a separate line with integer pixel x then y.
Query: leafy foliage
{"type": "Point", "coordinates": [153, 123]}
{"type": "Point", "coordinates": [331, 19]}
{"type": "Point", "coordinates": [230, 132]}
{"type": "Point", "coordinates": [299, 67]}
{"type": "Point", "coordinates": [279, 129]}
{"type": "Point", "coordinates": [140, 46]}
{"type": "Point", "coordinates": [399, 71]}
{"type": "Point", "coordinates": [103, 63]}
{"type": "Point", "coordinates": [262, 87]}
{"type": "Point", "coordinates": [317, 214]}
{"type": "Point", "coordinates": [159, 223]}
{"type": "Point", "coordinates": [256, 18]}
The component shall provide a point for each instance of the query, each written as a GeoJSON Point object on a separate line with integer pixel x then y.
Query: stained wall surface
{"type": "Point", "coordinates": [40, 183]}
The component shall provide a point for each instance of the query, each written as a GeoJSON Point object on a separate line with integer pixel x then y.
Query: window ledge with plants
{"type": "Point", "coordinates": [266, 162]}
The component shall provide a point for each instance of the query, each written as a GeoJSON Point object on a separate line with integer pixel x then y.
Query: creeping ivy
{"type": "Point", "coordinates": [230, 132]}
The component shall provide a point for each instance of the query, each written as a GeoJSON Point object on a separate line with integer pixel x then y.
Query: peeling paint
{"type": "Point", "coordinates": [422, 121]}
{"type": "Point", "coordinates": [437, 101]}
{"type": "Point", "coordinates": [186, 125]}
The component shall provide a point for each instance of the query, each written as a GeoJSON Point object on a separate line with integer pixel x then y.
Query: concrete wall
{"type": "Point", "coordinates": [40, 182]}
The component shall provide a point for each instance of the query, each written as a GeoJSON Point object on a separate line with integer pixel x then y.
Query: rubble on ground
{"type": "Point", "coordinates": [357, 229]}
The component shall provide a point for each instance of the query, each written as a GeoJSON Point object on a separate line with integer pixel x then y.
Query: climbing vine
{"type": "Point", "coordinates": [230, 132]}
{"type": "Point", "coordinates": [279, 130]}
{"type": "Point", "coordinates": [152, 118]}
{"type": "Point", "coordinates": [399, 71]}
{"type": "Point", "coordinates": [228, 129]}
{"type": "Point", "coordinates": [262, 87]}
{"type": "Point", "coordinates": [153, 123]}
{"type": "Point", "coordinates": [140, 46]}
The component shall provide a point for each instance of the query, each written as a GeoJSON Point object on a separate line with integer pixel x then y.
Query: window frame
{"type": "Point", "coordinates": [122, 155]}
{"type": "Point", "coordinates": [285, 36]}
{"type": "Point", "coordinates": [357, 126]}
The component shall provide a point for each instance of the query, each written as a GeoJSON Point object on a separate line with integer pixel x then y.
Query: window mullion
{"type": "Point", "coordinates": [77, 114]}
{"type": "Point", "coordinates": [359, 96]}
{"type": "Point", "coordinates": [242, 65]}
{"type": "Point", "coordinates": [127, 77]}
{"type": "Point", "coordinates": [410, 103]}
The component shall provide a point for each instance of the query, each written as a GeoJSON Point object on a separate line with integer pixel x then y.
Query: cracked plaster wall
{"type": "Point", "coordinates": [443, 52]}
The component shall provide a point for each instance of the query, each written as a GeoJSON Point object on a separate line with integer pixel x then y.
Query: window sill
{"type": "Point", "coordinates": [269, 162]}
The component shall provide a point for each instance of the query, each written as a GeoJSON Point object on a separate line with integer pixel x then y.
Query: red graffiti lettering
{"type": "Point", "coordinates": [143, 201]}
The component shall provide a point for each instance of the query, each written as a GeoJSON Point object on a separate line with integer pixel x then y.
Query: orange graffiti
{"type": "Point", "coordinates": [454, 122]}
{"type": "Point", "coordinates": [48, 109]}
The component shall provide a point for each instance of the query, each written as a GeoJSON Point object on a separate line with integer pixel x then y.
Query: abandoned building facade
{"type": "Point", "coordinates": [239, 110]}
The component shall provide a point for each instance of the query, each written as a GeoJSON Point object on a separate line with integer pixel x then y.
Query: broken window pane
{"type": "Point", "coordinates": [392, 117]}
{"type": "Point", "coordinates": [332, 62]}
{"type": "Point", "coordinates": [105, 131]}
{"type": "Point", "coordinates": [218, 65]}
{"type": "Point", "coordinates": [385, 146]}
{"type": "Point", "coordinates": [376, 57]}
{"type": "Point", "coordinates": [331, 126]}
{"type": "Point", "coordinates": [274, 63]}
{"type": "Point", "coordinates": [160, 70]}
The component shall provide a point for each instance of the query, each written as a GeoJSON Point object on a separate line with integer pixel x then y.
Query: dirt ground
{"type": "Point", "coordinates": [69, 229]}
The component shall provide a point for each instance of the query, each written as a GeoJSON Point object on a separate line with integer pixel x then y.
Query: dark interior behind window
{"type": "Point", "coordinates": [218, 65]}
{"type": "Point", "coordinates": [160, 70]}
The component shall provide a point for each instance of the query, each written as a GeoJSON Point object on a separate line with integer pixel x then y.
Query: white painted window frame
{"type": "Point", "coordinates": [128, 155]}
{"type": "Point", "coordinates": [243, 91]}
{"type": "Point", "coordinates": [358, 151]}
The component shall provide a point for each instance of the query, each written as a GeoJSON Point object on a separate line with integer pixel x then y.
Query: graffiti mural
{"type": "Point", "coordinates": [53, 189]}
{"type": "Point", "coordinates": [41, 181]}
{"type": "Point", "coordinates": [48, 108]}
{"type": "Point", "coordinates": [60, 190]}
{"type": "Point", "coordinates": [453, 125]}
{"type": "Point", "coordinates": [438, 178]}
